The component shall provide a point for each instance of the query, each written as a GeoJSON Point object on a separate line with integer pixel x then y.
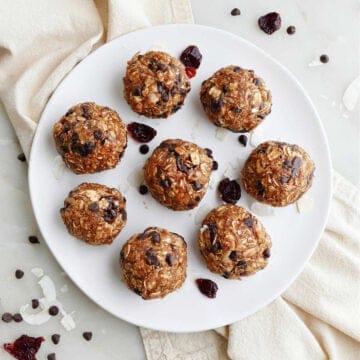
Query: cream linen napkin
{"type": "Point", "coordinates": [42, 40]}
{"type": "Point", "coordinates": [318, 317]}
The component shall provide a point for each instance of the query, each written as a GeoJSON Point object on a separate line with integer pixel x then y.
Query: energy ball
{"type": "Point", "coordinates": [233, 242]}
{"type": "Point", "coordinates": [277, 173]}
{"type": "Point", "coordinates": [235, 99]}
{"type": "Point", "coordinates": [155, 84]}
{"type": "Point", "coordinates": [90, 138]}
{"type": "Point", "coordinates": [94, 213]}
{"type": "Point", "coordinates": [154, 262]}
{"type": "Point", "coordinates": [178, 173]}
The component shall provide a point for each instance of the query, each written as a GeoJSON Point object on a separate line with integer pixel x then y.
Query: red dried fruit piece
{"type": "Point", "coordinates": [190, 72]}
{"type": "Point", "coordinates": [207, 287]}
{"type": "Point", "coordinates": [270, 22]}
{"type": "Point", "coordinates": [191, 57]}
{"type": "Point", "coordinates": [25, 347]}
{"type": "Point", "coordinates": [141, 132]}
{"type": "Point", "coordinates": [230, 190]}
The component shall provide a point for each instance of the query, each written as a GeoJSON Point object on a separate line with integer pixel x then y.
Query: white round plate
{"type": "Point", "coordinates": [95, 269]}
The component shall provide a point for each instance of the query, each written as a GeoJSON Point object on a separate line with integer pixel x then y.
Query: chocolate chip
{"type": "Point", "coordinates": [155, 237]}
{"type": "Point", "coordinates": [143, 189]}
{"type": "Point", "coordinates": [259, 187]}
{"type": "Point", "coordinates": [207, 287]}
{"type": "Point", "coordinates": [237, 69]}
{"type": "Point", "coordinates": [291, 30]}
{"type": "Point", "coordinates": [35, 303]}
{"type": "Point", "coordinates": [19, 274]}
{"type": "Point", "coordinates": [296, 162]}
{"type": "Point", "coordinates": [242, 263]}
{"type": "Point", "coordinates": [196, 185]}
{"type": "Point", "coordinates": [161, 67]}
{"type": "Point", "coordinates": [257, 82]}
{"type": "Point", "coordinates": [138, 292]}
{"type": "Point", "coordinates": [212, 232]}
{"type": "Point", "coordinates": [270, 22]}
{"type": "Point", "coordinates": [266, 253]}
{"type": "Point", "coordinates": [170, 260]}
{"type": "Point", "coordinates": [144, 149]}
{"type": "Point", "coordinates": [215, 247]}
{"type": "Point", "coordinates": [85, 108]}
{"type": "Point", "coordinates": [17, 317]}
{"type": "Point", "coordinates": [151, 257]}
{"type": "Point", "coordinates": [236, 110]}
{"type": "Point", "coordinates": [33, 239]}
{"type": "Point", "coordinates": [215, 165]}
{"type": "Point", "coordinates": [243, 139]}
{"type": "Point", "coordinates": [324, 58]}
{"type": "Point", "coordinates": [94, 206]}
{"type": "Point", "coordinates": [6, 317]}
{"type": "Point", "coordinates": [284, 180]}
{"type": "Point", "coordinates": [233, 255]}
{"type": "Point", "coordinates": [225, 89]}
{"type": "Point", "coordinates": [98, 134]}
{"type": "Point", "coordinates": [53, 310]}
{"type": "Point", "coordinates": [249, 222]}
{"type": "Point", "coordinates": [180, 165]}
{"type": "Point", "coordinates": [69, 112]}
{"type": "Point", "coordinates": [235, 12]}
{"type": "Point", "coordinates": [123, 215]}
{"type": "Point", "coordinates": [287, 164]}
{"type": "Point", "coordinates": [215, 106]}
{"type": "Point", "coordinates": [87, 335]}
{"type": "Point", "coordinates": [51, 356]}
{"type": "Point", "coordinates": [109, 215]}
{"type": "Point", "coordinates": [55, 338]}
{"type": "Point", "coordinates": [21, 157]}
{"type": "Point", "coordinates": [175, 108]}
{"type": "Point", "coordinates": [136, 91]}
{"type": "Point", "coordinates": [209, 152]}
{"type": "Point", "coordinates": [164, 96]}
{"type": "Point", "coordinates": [226, 275]}
{"type": "Point", "coordinates": [165, 183]}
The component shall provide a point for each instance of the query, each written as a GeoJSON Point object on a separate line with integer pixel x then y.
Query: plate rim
{"type": "Point", "coordinates": [325, 143]}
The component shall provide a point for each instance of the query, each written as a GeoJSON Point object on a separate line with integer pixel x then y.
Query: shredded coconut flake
{"type": "Point", "coordinates": [351, 94]}
{"type": "Point", "coordinates": [68, 322]}
{"type": "Point", "coordinates": [38, 272]}
{"type": "Point", "coordinates": [39, 318]}
{"type": "Point", "coordinates": [48, 288]}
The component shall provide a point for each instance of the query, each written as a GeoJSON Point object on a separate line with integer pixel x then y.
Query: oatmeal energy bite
{"type": "Point", "coordinates": [233, 242]}
{"type": "Point", "coordinates": [155, 84]}
{"type": "Point", "coordinates": [154, 262]}
{"type": "Point", "coordinates": [90, 138]}
{"type": "Point", "coordinates": [235, 99]}
{"type": "Point", "coordinates": [94, 213]}
{"type": "Point", "coordinates": [277, 173]}
{"type": "Point", "coordinates": [178, 173]}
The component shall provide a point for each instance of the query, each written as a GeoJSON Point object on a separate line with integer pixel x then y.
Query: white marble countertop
{"type": "Point", "coordinates": [323, 27]}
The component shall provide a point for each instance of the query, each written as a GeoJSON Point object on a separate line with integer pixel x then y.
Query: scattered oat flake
{"type": "Point", "coordinates": [304, 204]}
{"type": "Point", "coordinates": [262, 209]}
{"type": "Point", "coordinates": [221, 134]}
{"type": "Point", "coordinates": [58, 167]}
{"type": "Point", "coordinates": [351, 94]}
{"type": "Point", "coordinates": [38, 272]}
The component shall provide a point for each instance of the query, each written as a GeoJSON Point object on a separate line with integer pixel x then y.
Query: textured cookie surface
{"type": "Point", "coordinates": [233, 242]}
{"type": "Point", "coordinates": [155, 84]}
{"type": "Point", "coordinates": [235, 99]}
{"type": "Point", "coordinates": [154, 262]}
{"type": "Point", "coordinates": [178, 173]}
{"type": "Point", "coordinates": [90, 138]}
{"type": "Point", "coordinates": [94, 213]}
{"type": "Point", "coordinates": [277, 173]}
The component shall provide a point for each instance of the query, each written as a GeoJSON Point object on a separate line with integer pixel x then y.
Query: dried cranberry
{"type": "Point", "coordinates": [230, 191]}
{"type": "Point", "coordinates": [191, 57]}
{"type": "Point", "coordinates": [190, 72]}
{"type": "Point", "coordinates": [207, 287]}
{"type": "Point", "coordinates": [270, 22]}
{"type": "Point", "coordinates": [141, 132]}
{"type": "Point", "coordinates": [24, 348]}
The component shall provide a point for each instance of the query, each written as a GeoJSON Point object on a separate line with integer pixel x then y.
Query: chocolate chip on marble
{"type": "Point", "coordinates": [87, 335]}
{"type": "Point", "coordinates": [215, 165]}
{"type": "Point", "coordinates": [21, 157]}
{"type": "Point", "coordinates": [33, 239]}
{"type": "Point", "coordinates": [235, 12]}
{"type": "Point", "coordinates": [324, 58]}
{"type": "Point", "coordinates": [17, 317]}
{"type": "Point", "coordinates": [144, 149]}
{"type": "Point", "coordinates": [19, 274]}
{"type": "Point", "coordinates": [143, 189]}
{"type": "Point", "coordinates": [243, 139]}
{"type": "Point", "coordinates": [55, 338]}
{"type": "Point", "coordinates": [291, 30]}
{"type": "Point", "coordinates": [53, 310]}
{"type": "Point", "coordinates": [6, 317]}
{"type": "Point", "coordinates": [35, 303]}
{"type": "Point", "coordinates": [51, 356]}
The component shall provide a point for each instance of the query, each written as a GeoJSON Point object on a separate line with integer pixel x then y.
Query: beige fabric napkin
{"type": "Point", "coordinates": [318, 316]}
